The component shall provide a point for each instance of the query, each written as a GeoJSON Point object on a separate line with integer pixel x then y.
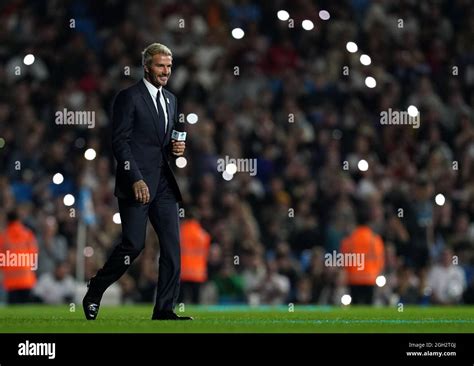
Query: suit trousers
{"type": "Point", "coordinates": [162, 210]}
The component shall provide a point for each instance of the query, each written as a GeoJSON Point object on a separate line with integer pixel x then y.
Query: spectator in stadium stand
{"type": "Point", "coordinates": [363, 241]}
{"type": "Point", "coordinates": [447, 280]}
{"type": "Point", "coordinates": [195, 244]}
{"type": "Point", "coordinates": [19, 252]}
{"type": "Point", "coordinates": [271, 289]}
{"type": "Point", "coordinates": [52, 246]}
{"type": "Point", "coordinates": [57, 287]}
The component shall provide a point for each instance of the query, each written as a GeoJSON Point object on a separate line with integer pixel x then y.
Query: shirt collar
{"type": "Point", "coordinates": [151, 88]}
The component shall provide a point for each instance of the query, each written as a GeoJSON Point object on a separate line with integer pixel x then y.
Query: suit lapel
{"type": "Point", "coordinates": [168, 111]}
{"type": "Point", "coordinates": [151, 106]}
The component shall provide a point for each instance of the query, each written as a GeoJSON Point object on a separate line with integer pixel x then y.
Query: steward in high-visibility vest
{"type": "Point", "coordinates": [367, 248]}
{"type": "Point", "coordinates": [364, 242]}
{"type": "Point", "coordinates": [195, 244]}
{"type": "Point", "coordinates": [18, 260]}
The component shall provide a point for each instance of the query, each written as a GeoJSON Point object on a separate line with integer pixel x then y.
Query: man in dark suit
{"type": "Point", "coordinates": [143, 117]}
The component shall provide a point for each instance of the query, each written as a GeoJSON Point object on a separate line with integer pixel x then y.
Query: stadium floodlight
{"type": "Point", "coordinates": [283, 15]}
{"type": "Point", "coordinates": [227, 176]}
{"type": "Point", "coordinates": [88, 251]}
{"type": "Point", "coordinates": [192, 118]}
{"type": "Point", "coordinates": [380, 281]}
{"type": "Point", "coordinates": [440, 199]}
{"type": "Point", "coordinates": [324, 14]}
{"type": "Point", "coordinates": [116, 218]}
{"type": "Point", "coordinates": [29, 59]}
{"type": "Point", "coordinates": [238, 33]}
{"type": "Point", "coordinates": [412, 111]}
{"type": "Point", "coordinates": [346, 299]}
{"type": "Point", "coordinates": [307, 25]}
{"type": "Point", "coordinates": [351, 47]}
{"type": "Point", "coordinates": [58, 178]}
{"type": "Point", "coordinates": [370, 82]}
{"type": "Point", "coordinates": [90, 154]}
{"type": "Point", "coordinates": [365, 60]}
{"type": "Point", "coordinates": [181, 162]}
{"type": "Point", "coordinates": [363, 165]}
{"type": "Point", "coordinates": [231, 169]}
{"type": "Point", "coordinates": [69, 200]}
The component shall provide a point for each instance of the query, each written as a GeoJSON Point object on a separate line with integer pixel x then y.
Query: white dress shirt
{"type": "Point", "coordinates": [154, 92]}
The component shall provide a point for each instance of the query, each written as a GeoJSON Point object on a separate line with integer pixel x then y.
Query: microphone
{"type": "Point", "coordinates": [178, 135]}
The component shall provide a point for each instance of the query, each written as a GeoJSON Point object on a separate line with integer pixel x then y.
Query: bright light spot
{"type": "Point", "coordinates": [29, 59]}
{"type": "Point", "coordinates": [363, 165]}
{"type": "Point", "coordinates": [381, 281]}
{"type": "Point", "coordinates": [69, 200]}
{"type": "Point", "coordinates": [365, 60]}
{"type": "Point", "coordinates": [2, 142]}
{"type": "Point", "coordinates": [58, 178]}
{"type": "Point", "coordinates": [324, 14]}
{"type": "Point", "coordinates": [440, 200]}
{"type": "Point", "coordinates": [283, 15]}
{"type": "Point", "coordinates": [238, 33]}
{"type": "Point", "coordinates": [116, 218]}
{"type": "Point", "coordinates": [370, 82]}
{"type": "Point", "coordinates": [181, 162]}
{"type": "Point", "coordinates": [227, 176]}
{"type": "Point", "coordinates": [351, 47]}
{"type": "Point", "coordinates": [231, 169]}
{"type": "Point", "coordinates": [346, 299]}
{"type": "Point", "coordinates": [307, 24]}
{"type": "Point", "coordinates": [412, 111]}
{"type": "Point", "coordinates": [90, 154]}
{"type": "Point", "coordinates": [192, 118]}
{"type": "Point", "coordinates": [88, 252]}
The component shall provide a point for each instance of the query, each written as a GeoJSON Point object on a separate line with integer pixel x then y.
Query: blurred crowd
{"type": "Point", "coordinates": [279, 95]}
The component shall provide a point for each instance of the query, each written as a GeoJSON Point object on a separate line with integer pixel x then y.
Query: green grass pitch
{"type": "Point", "coordinates": [240, 319]}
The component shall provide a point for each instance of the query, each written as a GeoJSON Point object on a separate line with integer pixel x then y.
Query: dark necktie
{"type": "Point", "coordinates": [161, 115]}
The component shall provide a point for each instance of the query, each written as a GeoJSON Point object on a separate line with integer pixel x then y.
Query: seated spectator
{"type": "Point", "coordinates": [229, 285]}
{"type": "Point", "coordinates": [52, 246]}
{"type": "Point", "coordinates": [57, 287]}
{"type": "Point", "coordinates": [446, 280]}
{"type": "Point", "coordinates": [272, 289]}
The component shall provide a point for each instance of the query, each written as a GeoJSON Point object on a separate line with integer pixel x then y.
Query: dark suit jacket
{"type": "Point", "coordinates": [141, 152]}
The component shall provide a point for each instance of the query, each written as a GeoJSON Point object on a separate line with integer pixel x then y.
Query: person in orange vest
{"type": "Point", "coordinates": [363, 250]}
{"type": "Point", "coordinates": [18, 260]}
{"type": "Point", "coordinates": [195, 243]}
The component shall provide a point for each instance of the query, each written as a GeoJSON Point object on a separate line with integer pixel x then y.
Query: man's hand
{"type": "Point", "coordinates": [140, 189]}
{"type": "Point", "coordinates": [178, 147]}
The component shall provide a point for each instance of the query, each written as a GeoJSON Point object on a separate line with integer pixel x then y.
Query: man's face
{"type": "Point", "coordinates": [159, 69]}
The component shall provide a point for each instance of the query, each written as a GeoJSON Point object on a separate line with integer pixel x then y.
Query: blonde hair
{"type": "Point", "coordinates": [152, 50]}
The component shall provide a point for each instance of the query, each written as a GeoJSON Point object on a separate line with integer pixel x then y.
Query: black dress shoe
{"type": "Point", "coordinates": [91, 308]}
{"type": "Point", "coordinates": [169, 315]}
{"type": "Point", "coordinates": [91, 303]}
